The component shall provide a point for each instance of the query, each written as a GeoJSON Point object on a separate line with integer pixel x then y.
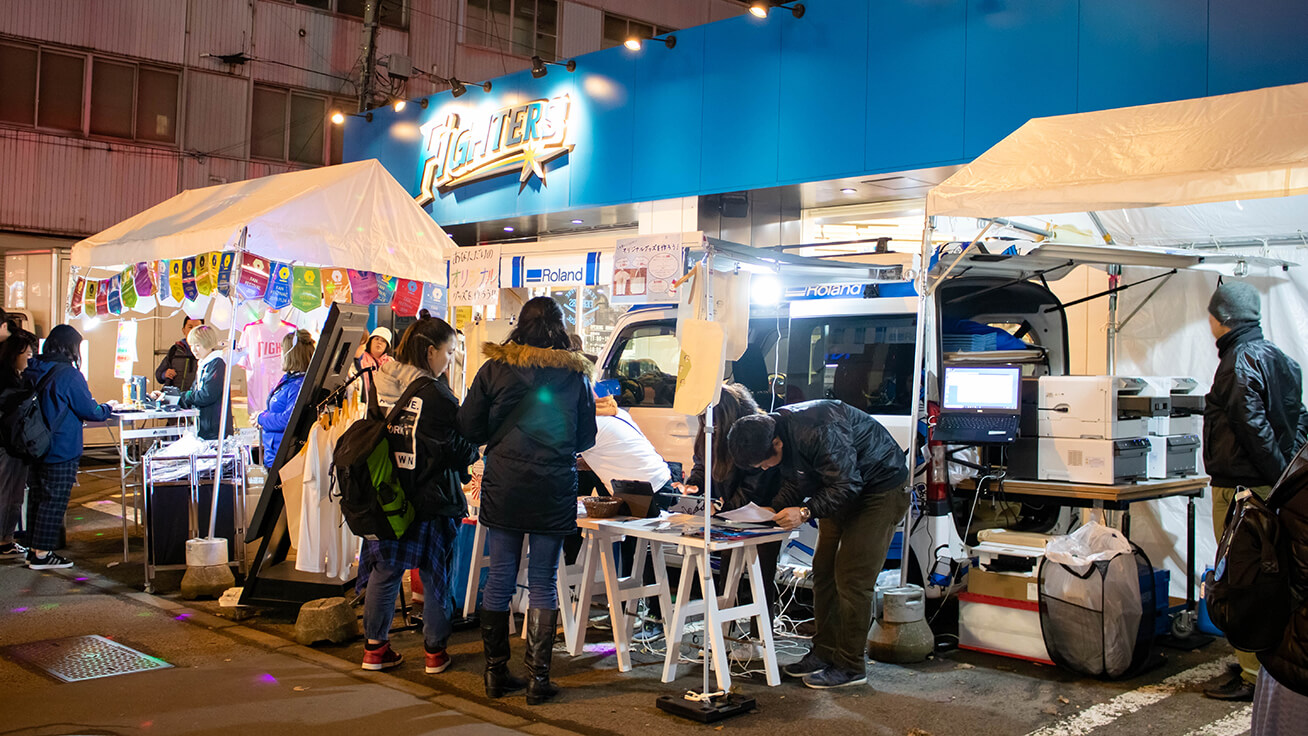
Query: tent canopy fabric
{"type": "Point", "coordinates": [352, 215]}
{"type": "Point", "coordinates": [1242, 146]}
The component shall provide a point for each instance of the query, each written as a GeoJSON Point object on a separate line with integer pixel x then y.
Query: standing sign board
{"type": "Point", "coordinates": [475, 276]}
{"type": "Point", "coordinates": [644, 268]}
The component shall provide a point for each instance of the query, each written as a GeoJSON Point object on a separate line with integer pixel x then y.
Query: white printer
{"type": "Point", "coordinates": [1187, 410]}
{"type": "Point", "coordinates": [1173, 456]}
{"type": "Point", "coordinates": [1091, 407]}
{"type": "Point", "coordinates": [1100, 461]}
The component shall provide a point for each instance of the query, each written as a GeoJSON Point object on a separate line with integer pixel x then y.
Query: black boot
{"type": "Point", "coordinates": [495, 643]}
{"type": "Point", "coordinates": [541, 625]}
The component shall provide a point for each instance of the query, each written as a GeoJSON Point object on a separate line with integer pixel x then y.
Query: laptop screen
{"type": "Point", "coordinates": [981, 388]}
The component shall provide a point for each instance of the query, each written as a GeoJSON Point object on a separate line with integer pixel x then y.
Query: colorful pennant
{"type": "Point", "coordinates": [306, 288]}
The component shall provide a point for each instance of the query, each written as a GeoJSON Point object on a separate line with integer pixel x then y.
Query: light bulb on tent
{"type": "Point", "coordinates": [765, 290]}
{"type": "Point", "coordinates": [90, 323]}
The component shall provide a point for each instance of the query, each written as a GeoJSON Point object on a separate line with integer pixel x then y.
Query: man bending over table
{"type": "Point", "coordinates": [840, 466]}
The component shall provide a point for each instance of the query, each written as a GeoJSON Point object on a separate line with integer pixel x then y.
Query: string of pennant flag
{"type": "Point", "coordinates": [277, 284]}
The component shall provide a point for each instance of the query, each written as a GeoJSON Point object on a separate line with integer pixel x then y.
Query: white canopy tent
{"type": "Point", "coordinates": [352, 215]}
{"type": "Point", "coordinates": [1200, 177]}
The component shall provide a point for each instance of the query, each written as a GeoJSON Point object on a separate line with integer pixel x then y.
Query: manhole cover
{"type": "Point", "coordinates": [84, 658]}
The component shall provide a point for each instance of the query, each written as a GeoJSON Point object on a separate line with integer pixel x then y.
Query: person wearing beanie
{"type": "Point", "coordinates": [1254, 423]}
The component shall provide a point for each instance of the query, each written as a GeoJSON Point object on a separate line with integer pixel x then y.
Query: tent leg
{"type": "Point", "coordinates": [919, 405]}
{"type": "Point", "coordinates": [227, 394]}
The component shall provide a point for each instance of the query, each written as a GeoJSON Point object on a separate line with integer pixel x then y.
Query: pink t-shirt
{"type": "Point", "coordinates": [262, 361]}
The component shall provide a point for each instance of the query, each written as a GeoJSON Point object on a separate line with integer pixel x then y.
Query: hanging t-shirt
{"type": "Point", "coordinates": [261, 345]}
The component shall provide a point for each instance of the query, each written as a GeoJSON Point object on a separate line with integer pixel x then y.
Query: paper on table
{"type": "Point", "coordinates": [750, 512]}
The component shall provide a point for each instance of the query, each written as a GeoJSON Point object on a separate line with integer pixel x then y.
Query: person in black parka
{"type": "Point", "coordinates": [206, 394]}
{"type": "Point", "coordinates": [532, 405]}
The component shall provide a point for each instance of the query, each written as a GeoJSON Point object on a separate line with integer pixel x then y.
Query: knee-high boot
{"type": "Point", "coordinates": [541, 625]}
{"type": "Point", "coordinates": [495, 643]}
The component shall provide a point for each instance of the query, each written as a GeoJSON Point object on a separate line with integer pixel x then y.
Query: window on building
{"type": "Point", "coordinates": [113, 98]}
{"type": "Point", "coordinates": [60, 92]}
{"type": "Point", "coordinates": [518, 27]}
{"type": "Point", "coordinates": [17, 84]}
{"type": "Point", "coordinates": [288, 126]}
{"type": "Point", "coordinates": [392, 13]}
{"type": "Point", "coordinates": [618, 29]}
{"type": "Point", "coordinates": [156, 105]}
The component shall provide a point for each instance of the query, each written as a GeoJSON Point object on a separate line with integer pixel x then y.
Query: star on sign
{"type": "Point", "coordinates": [531, 164]}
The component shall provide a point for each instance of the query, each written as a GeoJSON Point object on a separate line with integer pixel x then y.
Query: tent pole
{"type": "Point", "coordinates": [919, 407]}
{"type": "Point", "coordinates": [1114, 276]}
{"type": "Point", "coordinates": [705, 584]}
{"type": "Point", "coordinates": [227, 388]}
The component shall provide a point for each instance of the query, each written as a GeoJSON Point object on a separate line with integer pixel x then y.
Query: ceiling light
{"type": "Point", "coordinates": [538, 69]}
{"type": "Point", "coordinates": [634, 43]}
{"type": "Point", "coordinates": [848, 190]}
{"type": "Point", "coordinates": [457, 87]}
{"type": "Point", "coordinates": [508, 228]}
{"type": "Point", "coordinates": [399, 105]}
{"type": "Point", "coordinates": [759, 10]}
{"type": "Point", "coordinates": [338, 118]}
{"type": "Point", "coordinates": [578, 222]}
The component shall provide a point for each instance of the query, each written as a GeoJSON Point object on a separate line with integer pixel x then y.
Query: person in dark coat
{"type": "Point", "coordinates": [530, 482]}
{"type": "Point", "coordinates": [15, 353]}
{"type": "Point", "coordinates": [207, 392]}
{"type": "Point", "coordinates": [65, 402]}
{"type": "Point", "coordinates": [178, 368]}
{"type": "Point", "coordinates": [432, 457]}
{"type": "Point", "coordinates": [297, 352]}
{"type": "Point", "coordinates": [1280, 702]}
{"type": "Point", "coordinates": [1254, 423]}
{"type": "Point", "coordinates": [840, 466]}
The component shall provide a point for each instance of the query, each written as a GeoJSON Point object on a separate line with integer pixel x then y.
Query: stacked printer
{"type": "Point", "coordinates": [1083, 429]}
{"type": "Point", "coordinates": [1175, 418]}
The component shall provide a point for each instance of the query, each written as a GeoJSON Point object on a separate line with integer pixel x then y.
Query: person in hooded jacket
{"type": "Point", "coordinates": [1254, 423]}
{"type": "Point", "coordinates": [66, 402]}
{"type": "Point", "coordinates": [15, 353]}
{"type": "Point", "coordinates": [840, 466]}
{"type": "Point", "coordinates": [178, 368]}
{"type": "Point", "coordinates": [432, 457]}
{"type": "Point", "coordinates": [532, 405]}
{"type": "Point", "coordinates": [297, 352]}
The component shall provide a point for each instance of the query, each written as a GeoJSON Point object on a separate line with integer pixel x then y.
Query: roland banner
{"type": "Point", "coordinates": [556, 269]}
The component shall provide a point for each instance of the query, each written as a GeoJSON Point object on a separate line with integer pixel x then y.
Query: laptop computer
{"type": "Point", "coordinates": [980, 405]}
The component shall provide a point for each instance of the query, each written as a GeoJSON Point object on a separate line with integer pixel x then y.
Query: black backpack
{"type": "Point", "coordinates": [24, 433]}
{"type": "Point", "coordinates": [363, 466]}
{"type": "Point", "coordinates": [1248, 591]}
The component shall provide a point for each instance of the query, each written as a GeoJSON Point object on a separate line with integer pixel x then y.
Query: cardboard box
{"type": "Point", "coordinates": [1005, 585]}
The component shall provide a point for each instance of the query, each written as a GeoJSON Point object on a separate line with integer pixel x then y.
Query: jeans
{"type": "Point", "coordinates": [13, 484]}
{"type": "Point", "coordinates": [851, 551]}
{"type": "Point", "coordinates": [379, 606]}
{"type": "Point", "coordinates": [1222, 500]}
{"type": "Point", "coordinates": [505, 549]}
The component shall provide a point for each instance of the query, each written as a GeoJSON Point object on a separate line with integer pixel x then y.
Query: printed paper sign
{"type": "Point", "coordinates": [125, 349]}
{"type": "Point", "coordinates": [335, 285]}
{"type": "Point", "coordinates": [252, 281]}
{"type": "Point", "coordinates": [306, 289]}
{"type": "Point", "coordinates": [407, 298]}
{"type": "Point", "coordinates": [16, 282]}
{"type": "Point", "coordinates": [475, 276]}
{"type": "Point", "coordinates": [644, 268]}
{"type": "Point", "coordinates": [363, 287]}
{"type": "Point", "coordinates": [278, 295]}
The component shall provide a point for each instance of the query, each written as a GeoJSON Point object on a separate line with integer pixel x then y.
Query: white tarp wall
{"type": "Point", "coordinates": [1170, 336]}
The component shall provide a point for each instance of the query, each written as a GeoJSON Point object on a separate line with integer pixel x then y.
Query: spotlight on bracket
{"type": "Point", "coordinates": [760, 9]}
{"type": "Point", "coordinates": [539, 67]}
{"type": "Point", "coordinates": [634, 43]}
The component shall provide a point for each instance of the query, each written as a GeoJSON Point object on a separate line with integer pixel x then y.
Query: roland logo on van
{"type": "Point", "coordinates": [556, 275]}
{"type": "Point", "coordinates": [459, 149]}
{"type": "Point", "coordinates": [828, 291]}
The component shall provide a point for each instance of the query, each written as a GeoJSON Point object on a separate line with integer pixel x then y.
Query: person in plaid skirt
{"type": "Point", "coordinates": [66, 402]}
{"type": "Point", "coordinates": [432, 459]}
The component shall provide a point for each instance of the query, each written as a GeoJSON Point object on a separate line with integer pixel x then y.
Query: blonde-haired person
{"type": "Point", "coordinates": [297, 351]}
{"type": "Point", "coordinates": [207, 392]}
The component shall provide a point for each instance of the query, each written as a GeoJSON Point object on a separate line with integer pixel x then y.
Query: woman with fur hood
{"type": "Point", "coordinates": [531, 405]}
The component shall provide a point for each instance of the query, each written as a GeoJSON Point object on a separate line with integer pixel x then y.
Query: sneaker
{"type": "Point", "coordinates": [1234, 689]}
{"type": "Point", "coordinates": [648, 633]}
{"type": "Point", "coordinates": [811, 664]}
{"type": "Point", "coordinates": [50, 561]}
{"type": "Point", "coordinates": [437, 662]}
{"type": "Point", "coordinates": [12, 550]}
{"type": "Point", "coordinates": [381, 658]}
{"type": "Point", "coordinates": [832, 678]}
{"type": "Point", "coordinates": [745, 651]}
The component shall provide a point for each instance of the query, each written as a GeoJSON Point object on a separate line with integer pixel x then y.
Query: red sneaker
{"type": "Point", "coordinates": [381, 658]}
{"type": "Point", "coordinates": [437, 662]}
